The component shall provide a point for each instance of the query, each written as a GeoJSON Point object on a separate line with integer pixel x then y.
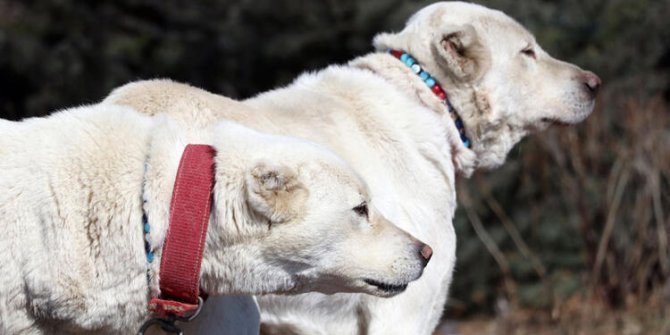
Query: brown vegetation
{"type": "Point", "coordinates": [578, 215]}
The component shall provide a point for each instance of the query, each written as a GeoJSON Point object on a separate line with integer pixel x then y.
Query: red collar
{"type": "Point", "coordinates": [184, 245]}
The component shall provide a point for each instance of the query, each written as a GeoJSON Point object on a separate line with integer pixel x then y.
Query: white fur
{"type": "Point", "coordinates": [383, 120]}
{"type": "Point", "coordinates": [74, 187]}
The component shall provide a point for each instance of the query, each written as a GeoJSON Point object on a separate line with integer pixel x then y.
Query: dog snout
{"type": "Point", "coordinates": [425, 253]}
{"type": "Point", "coordinates": [591, 82]}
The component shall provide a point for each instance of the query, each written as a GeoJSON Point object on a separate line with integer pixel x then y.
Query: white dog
{"type": "Point", "coordinates": [287, 217]}
{"type": "Point", "coordinates": [386, 118]}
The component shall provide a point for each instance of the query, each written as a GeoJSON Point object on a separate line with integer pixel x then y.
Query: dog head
{"type": "Point", "coordinates": [291, 217]}
{"type": "Point", "coordinates": [501, 82]}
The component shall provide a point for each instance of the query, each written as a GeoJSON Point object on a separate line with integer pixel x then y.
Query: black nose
{"type": "Point", "coordinates": [592, 83]}
{"type": "Point", "coordinates": [426, 252]}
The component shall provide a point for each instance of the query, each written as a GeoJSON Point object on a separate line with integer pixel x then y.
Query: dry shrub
{"type": "Point", "coordinates": [615, 172]}
{"type": "Point", "coordinates": [577, 211]}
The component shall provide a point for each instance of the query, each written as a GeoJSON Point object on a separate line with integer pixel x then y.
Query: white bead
{"type": "Point", "coordinates": [416, 68]}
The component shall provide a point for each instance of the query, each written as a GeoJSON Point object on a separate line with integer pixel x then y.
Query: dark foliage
{"type": "Point", "coordinates": [583, 210]}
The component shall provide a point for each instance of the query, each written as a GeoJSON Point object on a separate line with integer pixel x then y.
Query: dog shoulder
{"type": "Point", "coordinates": [150, 96]}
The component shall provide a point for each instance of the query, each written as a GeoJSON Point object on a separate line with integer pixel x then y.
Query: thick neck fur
{"type": "Point", "coordinates": [394, 71]}
{"type": "Point", "coordinates": [70, 221]}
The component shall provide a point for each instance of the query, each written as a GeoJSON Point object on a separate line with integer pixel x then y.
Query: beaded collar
{"type": "Point", "coordinates": [146, 227]}
{"type": "Point", "coordinates": [436, 88]}
{"type": "Point", "coordinates": [147, 245]}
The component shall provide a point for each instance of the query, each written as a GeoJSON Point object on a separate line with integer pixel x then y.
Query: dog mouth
{"type": "Point", "coordinates": [386, 287]}
{"type": "Point", "coordinates": [545, 123]}
{"type": "Point", "coordinates": [554, 122]}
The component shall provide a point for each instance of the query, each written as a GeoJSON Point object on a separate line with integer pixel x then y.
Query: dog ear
{"type": "Point", "coordinates": [460, 52]}
{"type": "Point", "coordinates": [275, 192]}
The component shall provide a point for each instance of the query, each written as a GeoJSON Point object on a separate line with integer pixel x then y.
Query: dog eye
{"type": "Point", "coordinates": [529, 52]}
{"type": "Point", "coordinates": [362, 209]}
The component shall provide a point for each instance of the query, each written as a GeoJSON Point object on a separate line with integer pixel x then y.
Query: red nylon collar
{"type": "Point", "coordinates": [184, 245]}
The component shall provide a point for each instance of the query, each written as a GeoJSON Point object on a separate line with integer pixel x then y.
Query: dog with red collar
{"type": "Point", "coordinates": [107, 215]}
{"type": "Point", "coordinates": [451, 92]}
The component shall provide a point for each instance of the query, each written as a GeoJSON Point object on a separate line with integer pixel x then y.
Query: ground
{"type": "Point", "coordinates": [575, 317]}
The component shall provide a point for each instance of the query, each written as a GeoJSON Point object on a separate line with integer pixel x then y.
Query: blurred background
{"type": "Point", "coordinates": [570, 236]}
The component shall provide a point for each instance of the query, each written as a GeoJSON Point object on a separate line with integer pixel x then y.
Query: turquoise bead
{"type": "Point", "coordinates": [423, 75]}
{"type": "Point", "coordinates": [466, 142]}
{"type": "Point", "coordinates": [147, 228]}
{"type": "Point", "coordinates": [430, 82]}
{"type": "Point", "coordinates": [410, 61]}
{"type": "Point", "coordinates": [150, 256]}
{"type": "Point", "coordinates": [404, 57]}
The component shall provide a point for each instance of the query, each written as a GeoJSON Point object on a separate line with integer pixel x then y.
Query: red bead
{"type": "Point", "coordinates": [396, 53]}
{"type": "Point", "coordinates": [436, 89]}
{"type": "Point", "coordinates": [441, 95]}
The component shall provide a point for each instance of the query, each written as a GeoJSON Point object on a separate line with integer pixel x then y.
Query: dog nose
{"type": "Point", "coordinates": [592, 83]}
{"type": "Point", "coordinates": [426, 253]}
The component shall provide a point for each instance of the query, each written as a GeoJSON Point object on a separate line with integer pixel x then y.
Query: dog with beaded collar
{"type": "Point", "coordinates": [386, 122]}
